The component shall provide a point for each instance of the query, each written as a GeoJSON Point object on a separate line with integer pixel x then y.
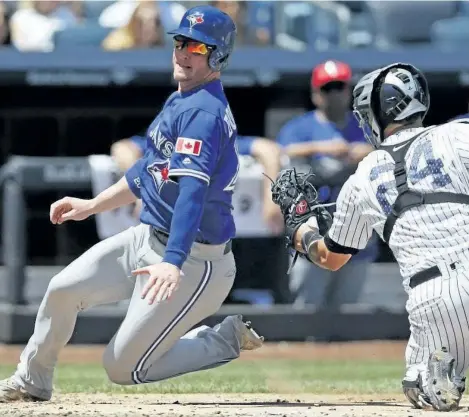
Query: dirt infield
{"type": "Point", "coordinates": [239, 405]}
{"type": "Point", "coordinates": [232, 405]}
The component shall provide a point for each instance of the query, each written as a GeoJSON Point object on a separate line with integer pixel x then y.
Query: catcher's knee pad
{"type": "Point", "coordinates": [414, 393]}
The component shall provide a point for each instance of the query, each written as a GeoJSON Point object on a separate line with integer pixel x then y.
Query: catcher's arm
{"type": "Point", "coordinates": [307, 240]}
{"type": "Point", "coordinates": [309, 228]}
{"type": "Point", "coordinates": [348, 233]}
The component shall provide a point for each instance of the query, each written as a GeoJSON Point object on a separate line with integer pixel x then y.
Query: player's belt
{"type": "Point", "coordinates": [163, 238]}
{"type": "Point", "coordinates": [427, 275]}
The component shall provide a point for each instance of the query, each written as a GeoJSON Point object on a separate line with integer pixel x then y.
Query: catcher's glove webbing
{"type": "Point", "coordinates": [298, 201]}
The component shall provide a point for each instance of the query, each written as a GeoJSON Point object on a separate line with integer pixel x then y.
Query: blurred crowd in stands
{"type": "Point", "coordinates": [44, 25]}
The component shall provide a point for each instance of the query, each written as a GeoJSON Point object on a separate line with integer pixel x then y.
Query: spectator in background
{"type": "Point", "coordinates": [34, 24]}
{"type": "Point", "coordinates": [144, 29]}
{"type": "Point", "coordinates": [4, 19]}
{"type": "Point", "coordinates": [126, 152]}
{"type": "Point", "coordinates": [140, 23]}
{"type": "Point", "coordinates": [330, 140]}
{"type": "Point", "coordinates": [250, 30]}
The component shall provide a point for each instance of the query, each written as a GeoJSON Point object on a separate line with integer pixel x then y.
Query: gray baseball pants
{"type": "Point", "coordinates": [153, 342]}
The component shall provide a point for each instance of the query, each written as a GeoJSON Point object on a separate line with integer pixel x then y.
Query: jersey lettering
{"type": "Point", "coordinates": [423, 164]}
{"type": "Point", "coordinates": [231, 185]}
{"type": "Point", "coordinates": [229, 120]}
{"type": "Point", "coordinates": [432, 166]}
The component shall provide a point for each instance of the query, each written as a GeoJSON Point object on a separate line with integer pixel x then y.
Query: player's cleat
{"type": "Point", "coordinates": [415, 394]}
{"type": "Point", "coordinates": [444, 393]}
{"type": "Point", "coordinates": [10, 391]}
{"type": "Point", "coordinates": [250, 340]}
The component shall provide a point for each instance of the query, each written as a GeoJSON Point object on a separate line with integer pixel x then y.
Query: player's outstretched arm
{"type": "Point", "coordinates": [117, 195]}
{"type": "Point", "coordinates": [307, 220]}
{"type": "Point", "coordinates": [71, 208]}
{"type": "Point", "coordinates": [307, 240]}
{"type": "Point", "coordinates": [348, 233]}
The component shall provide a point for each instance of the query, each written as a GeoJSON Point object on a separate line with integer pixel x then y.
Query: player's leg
{"type": "Point", "coordinates": [154, 341]}
{"type": "Point", "coordinates": [437, 354]}
{"type": "Point", "coordinates": [96, 277]}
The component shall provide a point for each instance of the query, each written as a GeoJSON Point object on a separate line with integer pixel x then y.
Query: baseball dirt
{"type": "Point", "coordinates": [239, 405]}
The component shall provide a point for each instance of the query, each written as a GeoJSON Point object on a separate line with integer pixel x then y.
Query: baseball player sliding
{"type": "Point", "coordinates": [413, 191]}
{"type": "Point", "coordinates": [177, 266]}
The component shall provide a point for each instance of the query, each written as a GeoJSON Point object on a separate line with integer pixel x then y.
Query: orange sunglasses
{"type": "Point", "coordinates": [193, 47]}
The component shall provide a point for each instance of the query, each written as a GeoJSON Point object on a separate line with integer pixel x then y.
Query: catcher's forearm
{"type": "Point", "coordinates": [307, 242]}
{"type": "Point", "coordinates": [310, 242]}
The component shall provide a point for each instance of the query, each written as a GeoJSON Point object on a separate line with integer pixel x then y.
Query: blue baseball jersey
{"type": "Point", "coordinates": [244, 143]}
{"type": "Point", "coordinates": [193, 135]}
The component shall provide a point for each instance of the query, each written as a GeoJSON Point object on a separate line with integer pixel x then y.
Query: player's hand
{"type": "Point", "coordinates": [163, 280]}
{"type": "Point", "coordinates": [273, 216]}
{"type": "Point", "coordinates": [70, 208]}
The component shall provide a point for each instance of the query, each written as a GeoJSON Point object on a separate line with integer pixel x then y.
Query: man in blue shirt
{"type": "Point", "coordinates": [176, 266]}
{"type": "Point", "coordinates": [330, 140]}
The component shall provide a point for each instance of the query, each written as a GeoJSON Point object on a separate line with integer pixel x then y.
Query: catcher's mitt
{"type": "Point", "coordinates": [298, 201]}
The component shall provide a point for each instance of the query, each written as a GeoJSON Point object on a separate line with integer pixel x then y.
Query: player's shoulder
{"type": "Point", "coordinates": [452, 130]}
{"type": "Point", "coordinates": [457, 125]}
{"type": "Point", "coordinates": [365, 166]}
{"type": "Point", "coordinates": [204, 100]}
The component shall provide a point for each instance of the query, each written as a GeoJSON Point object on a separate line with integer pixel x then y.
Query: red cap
{"type": "Point", "coordinates": [330, 71]}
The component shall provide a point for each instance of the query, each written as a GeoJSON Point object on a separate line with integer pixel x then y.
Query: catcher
{"type": "Point", "coordinates": [412, 190]}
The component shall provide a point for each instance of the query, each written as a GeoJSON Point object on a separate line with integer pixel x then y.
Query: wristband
{"type": "Point", "coordinates": [309, 238]}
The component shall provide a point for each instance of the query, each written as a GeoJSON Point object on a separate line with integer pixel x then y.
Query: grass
{"type": "Point", "coordinates": [263, 376]}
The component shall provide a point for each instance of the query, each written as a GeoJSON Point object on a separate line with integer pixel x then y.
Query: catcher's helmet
{"type": "Point", "coordinates": [211, 26]}
{"type": "Point", "coordinates": [387, 95]}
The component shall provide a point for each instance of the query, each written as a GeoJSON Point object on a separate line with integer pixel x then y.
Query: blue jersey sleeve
{"type": "Point", "coordinates": [197, 145]}
{"type": "Point", "coordinates": [133, 176]}
{"type": "Point", "coordinates": [245, 144]}
{"type": "Point", "coordinates": [186, 219]}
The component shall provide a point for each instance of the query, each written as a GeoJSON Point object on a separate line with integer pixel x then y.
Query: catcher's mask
{"type": "Point", "coordinates": [387, 95]}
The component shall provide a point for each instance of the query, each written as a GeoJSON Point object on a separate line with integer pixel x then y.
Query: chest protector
{"type": "Point", "coordinates": [406, 198]}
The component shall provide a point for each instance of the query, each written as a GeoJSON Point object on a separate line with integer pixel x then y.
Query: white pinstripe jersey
{"type": "Point", "coordinates": [422, 236]}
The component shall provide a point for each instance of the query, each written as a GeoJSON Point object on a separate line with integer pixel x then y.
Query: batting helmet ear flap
{"type": "Point", "coordinates": [217, 61]}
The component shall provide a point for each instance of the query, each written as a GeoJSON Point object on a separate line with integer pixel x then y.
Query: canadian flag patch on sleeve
{"type": "Point", "coordinates": [188, 146]}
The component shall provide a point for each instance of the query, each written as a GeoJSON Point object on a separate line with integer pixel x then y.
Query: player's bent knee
{"type": "Point", "coordinates": [117, 375]}
{"type": "Point", "coordinates": [60, 291]}
{"type": "Point", "coordinates": [116, 372]}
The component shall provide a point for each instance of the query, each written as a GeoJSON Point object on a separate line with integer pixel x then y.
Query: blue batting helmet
{"type": "Point", "coordinates": [211, 26]}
